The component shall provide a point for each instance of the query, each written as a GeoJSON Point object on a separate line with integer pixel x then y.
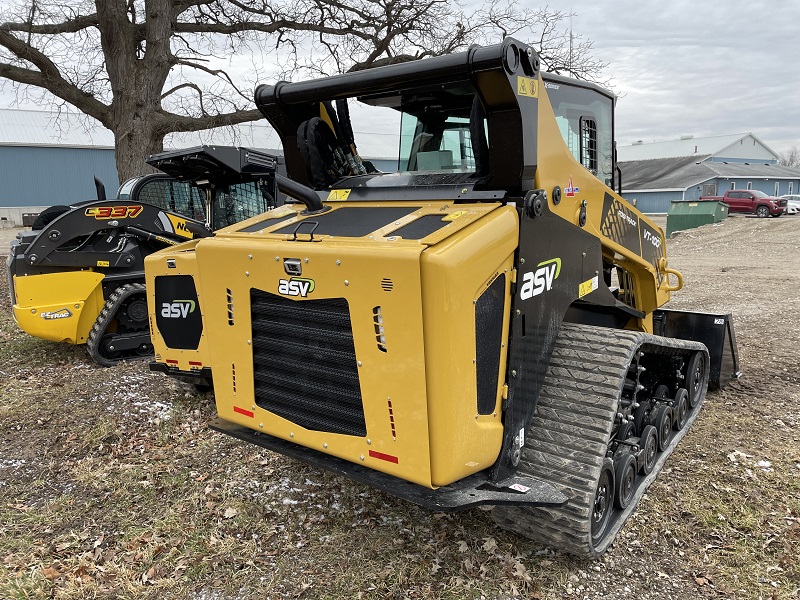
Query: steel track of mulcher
{"type": "Point", "coordinates": [131, 342]}
{"type": "Point", "coordinates": [572, 434]}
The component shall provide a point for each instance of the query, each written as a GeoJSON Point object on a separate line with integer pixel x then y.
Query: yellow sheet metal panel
{"type": "Point", "coordinates": [61, 307]}
{"type": "Point", "coordinates": [368, 274]}
{"type": "Point", "coordinates": [455, 273]}
{"type": "Point", "coordinates": [158, 264]}
{"type": "Point", "coordinates": [557, 167]}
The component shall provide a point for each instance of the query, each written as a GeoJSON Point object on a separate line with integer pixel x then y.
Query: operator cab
{"type": "Point", "coordinates": [436, 129]}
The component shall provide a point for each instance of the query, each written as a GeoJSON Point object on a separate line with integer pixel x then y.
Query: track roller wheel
{"type": "Point", "coordinates": [695, 372]}
{"type": "Point", "coordinates": [642, 415]}
{"type": "Point", "coordinates": [681, 409]}
{"type": "Point", "coordinates": [603, 502]}
{"type": "Point", "coordinates": [625, 431]}
{"type": "Point", "coordinates": [625, 475]}
{"type": "Point", "coordinates": [663, 423]}
{"type": "Point", "coordinates": [649, 445]}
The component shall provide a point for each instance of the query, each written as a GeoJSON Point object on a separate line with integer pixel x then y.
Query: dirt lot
{"type": "Point", "coordinates": [111, 485]}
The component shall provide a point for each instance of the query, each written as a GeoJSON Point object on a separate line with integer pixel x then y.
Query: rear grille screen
{"type": "Point", "coordinates": [304, 363]}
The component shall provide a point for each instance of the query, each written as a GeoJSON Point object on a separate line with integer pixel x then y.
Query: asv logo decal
{"type": "Point", "coordinates": [179, 309]}
{"type": "Point", "coordinates": [540, 280]}
{"type": "Point", "coordinates": [295, 287]}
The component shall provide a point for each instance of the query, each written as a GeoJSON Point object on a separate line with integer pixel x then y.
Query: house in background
{"type": "Point", "coordinates": [655, 174]}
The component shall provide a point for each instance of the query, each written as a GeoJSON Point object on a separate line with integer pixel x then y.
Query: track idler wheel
{"type": "Point", "coordinates": [663, 423]}
{"type": "Point", "coordinates": [625, 475]}
{"type": "Point", "coordinates": [649, 444]}
{"type": "Point", "coordinates": [681, 409]}
{"type": "Point", "coordinates": [603, 502]}
{"type": "Point", "coordinates": [695, 371]}
{"type": "Point", "coordinates": [642, 415]}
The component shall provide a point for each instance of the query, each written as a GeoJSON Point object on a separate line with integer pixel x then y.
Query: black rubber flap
{"type": "Point", "coordinates": [304, 363]}
{"type": "Point", "coordinates": [350, 222]}
{"type": "Point", "coordinates": [178, 315]}
{"type": "Point", "coordinates": [421, 227]}
{"type": "Point", "coordinates": [488, 334]}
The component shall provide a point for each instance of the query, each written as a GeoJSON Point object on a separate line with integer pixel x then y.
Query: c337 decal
{"type": "Point", "coordinates": [121, 211]}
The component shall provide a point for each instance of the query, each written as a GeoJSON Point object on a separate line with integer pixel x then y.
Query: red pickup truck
{"type": "Point", "coordinates": [751, 201]}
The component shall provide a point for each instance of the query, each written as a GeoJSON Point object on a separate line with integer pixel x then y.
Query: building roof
{"type": "Point", "coordinates": [682, 172]}
{"type": "Point", "coordinates": [686, 146]}
{"type": "Point", "coordinates": [76, 130]}
{"type": "Point", "coordinates": [45, 128]}
{"type": "Point", "coordinates": [664, 173]}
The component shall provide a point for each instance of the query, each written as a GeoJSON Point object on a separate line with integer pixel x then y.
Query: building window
{"type": "Point", "coordinates": [733, 185]}
{"type": "Point", "coordinates": [749, 185]}
{"type": "Point", "coordinates": [709, 189]}
{"type": "Point", "coordinates": [777, 187]}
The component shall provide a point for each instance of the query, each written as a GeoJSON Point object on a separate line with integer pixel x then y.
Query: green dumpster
{"type": "Point", "coordinates": [688, 215]}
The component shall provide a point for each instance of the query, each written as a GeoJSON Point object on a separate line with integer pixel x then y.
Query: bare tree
{"type": "Point", "coordinates": [147, 68]}
{"type": "Point", "coordinates": [790, 158]}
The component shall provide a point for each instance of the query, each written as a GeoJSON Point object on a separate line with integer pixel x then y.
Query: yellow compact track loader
{"type": "Point", "coordinates": [78, 275]}
{"type": "Point", "coordinates": [482, 327]}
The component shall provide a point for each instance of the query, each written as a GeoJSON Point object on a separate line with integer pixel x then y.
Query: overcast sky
{"type": "Point", "coordinates": [699, 67]}
{"type": "Point", "coordinates": [684, 67]}
{"type": "Point", "coordinates": [690, 67]}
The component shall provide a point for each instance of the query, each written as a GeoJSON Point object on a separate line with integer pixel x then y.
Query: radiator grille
{"type": "Point", "coordinates": [304, 363]}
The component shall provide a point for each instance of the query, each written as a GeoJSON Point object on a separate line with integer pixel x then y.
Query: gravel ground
{"type": "Point", "coordinates": [111, 485]}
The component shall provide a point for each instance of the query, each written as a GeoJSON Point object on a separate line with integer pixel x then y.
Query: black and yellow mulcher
{"type": "Point", "coordinates": [480, 327]}
{"type": "Point", "coordinates": [78, 275]}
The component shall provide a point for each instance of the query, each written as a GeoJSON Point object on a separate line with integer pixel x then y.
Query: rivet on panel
{"type": "Point", "coordinates": [513, 373]}
{"type": "Point", "coordinates": [305, 260]}
{"type": "Point", "coordinates": [249, 342]}
{"type": "Point", "coordinates": [362, 457]}
{"type": "Point", "coordinates": [77, 306]}
{"type": "Point", "coordinates": [324, 445]}
{"type": "Point", "coordinates": [277, 258]}
{"type": "Point", "coordinates": [253, 407]}
{"type": "Point", "coordinates": [464, 190]}
{"type": "Point", "coordinates": [291, 434]}
{"type": "Point", "coordinates": [522, 261]}
{"type": "Point", "coordinates": [346, 282]}
{"type": "Point", "coordinates": [261, 425]}
{"type": "Point", "coordinates": [359, 363]}
{"type": "Point", "coordinates": [519, 312]}
{"type": "Point", "coordinates": [476, 417]}
{"type": "Point", "coordinates": [33, 311]}
{"type": "Point", "coordinates": [247, 273]}
{"type": "Point", "coordinates": [338, 262]}
{"type": "Point", "coordinates": [369, 442]}
{"type": "Point", "coordinates": [250, 256]}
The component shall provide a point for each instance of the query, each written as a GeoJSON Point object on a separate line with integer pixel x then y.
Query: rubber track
{"type": "Point", "coordinates": [104, 319]}
{"type": "Point", "coordinates": [570, 432]}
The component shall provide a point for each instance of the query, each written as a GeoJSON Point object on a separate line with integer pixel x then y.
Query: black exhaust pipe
{"type": "Point", "coordinates": [300, 192]}
{"type": "Point", "coordinates": [100, 187]}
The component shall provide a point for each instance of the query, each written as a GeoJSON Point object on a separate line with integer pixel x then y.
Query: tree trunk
{"type": "Point", "coordinates": [135, 140]}
{"type": "Point", "coordinates": [136, 72]}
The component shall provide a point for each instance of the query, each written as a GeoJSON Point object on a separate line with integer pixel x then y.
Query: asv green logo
{"type": "Point", "coordinates": [178, 309]}
{"type": "Point", "coordinates": [295, 287]}
{"type": "Point", "coordinates": [540, 280]}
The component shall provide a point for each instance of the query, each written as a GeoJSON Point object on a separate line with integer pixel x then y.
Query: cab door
{"type": "Point", "coordinates": [735, 202]}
